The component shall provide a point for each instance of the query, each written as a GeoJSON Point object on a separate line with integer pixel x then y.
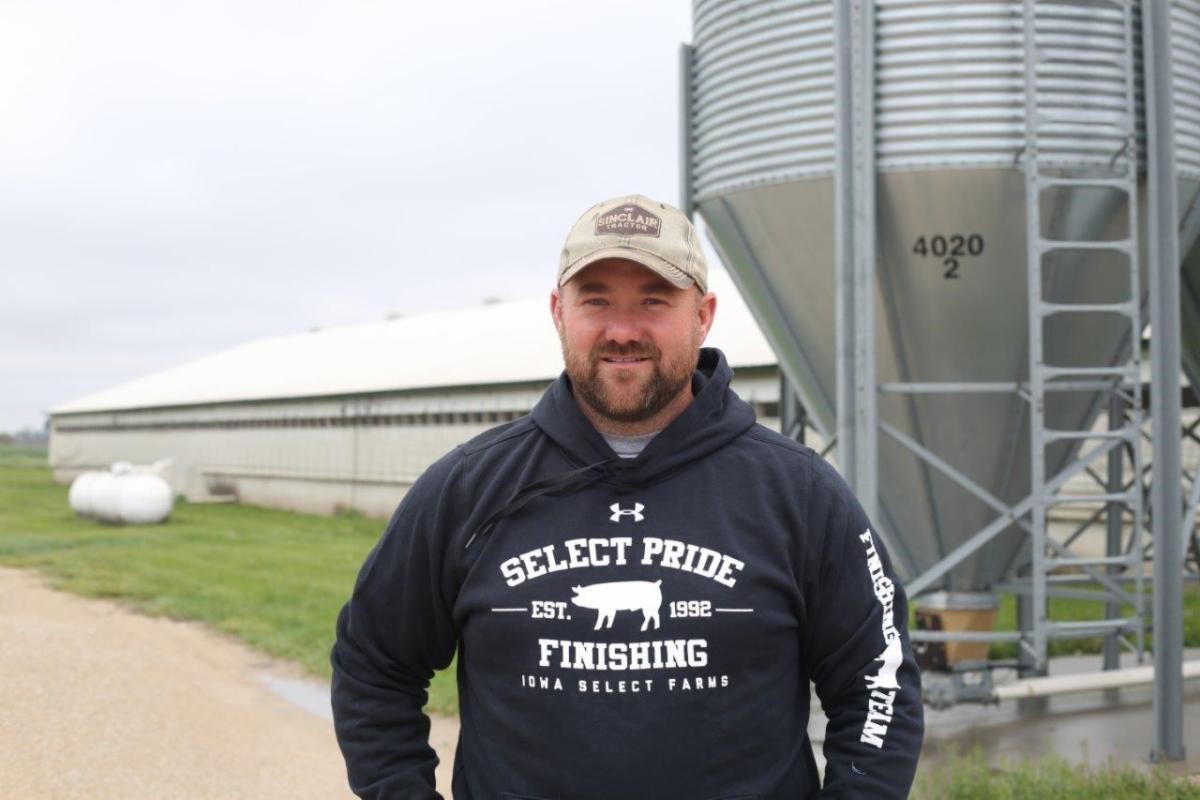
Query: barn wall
{"type": "Point", "coordinates": [319, 455]}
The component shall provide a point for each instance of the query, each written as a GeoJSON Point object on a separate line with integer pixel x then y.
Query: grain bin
{"type": "Point", "coordinates": [950, 83]}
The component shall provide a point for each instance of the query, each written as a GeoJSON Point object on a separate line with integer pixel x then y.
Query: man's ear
{"type": "Point", "coordinates": [706, 310]}
{"type": "Point", "coordinates": [556, 307]}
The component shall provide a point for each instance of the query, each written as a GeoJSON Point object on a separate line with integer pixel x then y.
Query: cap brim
{"type": "Point", "coordinates": [650, 261]}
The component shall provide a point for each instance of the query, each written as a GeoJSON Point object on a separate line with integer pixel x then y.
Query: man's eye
{"type": "Point", "coordinates": [595, 301]}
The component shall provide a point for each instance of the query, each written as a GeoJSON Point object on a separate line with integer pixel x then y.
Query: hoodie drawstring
{"type": "Point", "coordinates": [564, 483]}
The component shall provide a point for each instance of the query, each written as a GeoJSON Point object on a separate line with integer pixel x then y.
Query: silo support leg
{"type": "Point", "coordinates": [1115, 526]}
{"type": "Point", "coordinates": [1166, 500]}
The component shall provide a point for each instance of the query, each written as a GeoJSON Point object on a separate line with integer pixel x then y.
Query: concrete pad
{"type": "Point", "coordinates": [1090, 728]}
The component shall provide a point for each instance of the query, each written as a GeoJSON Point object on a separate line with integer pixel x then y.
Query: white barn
{"type": "Point", "coordinates": [347, 418]}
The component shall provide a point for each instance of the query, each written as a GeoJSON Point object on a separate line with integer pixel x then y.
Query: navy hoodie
{"type": "Point", "coordinates": [630, 628]}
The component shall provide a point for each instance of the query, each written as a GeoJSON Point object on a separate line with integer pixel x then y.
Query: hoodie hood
{"type": "Point", "coordinates": [715, 417]}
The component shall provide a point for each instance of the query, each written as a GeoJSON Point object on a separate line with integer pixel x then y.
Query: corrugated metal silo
{"type": "Point", "coordinates": [952, 229]}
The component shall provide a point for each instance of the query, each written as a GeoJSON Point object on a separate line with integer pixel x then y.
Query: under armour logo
{"type": "Point", "coordinates": [618, 512]}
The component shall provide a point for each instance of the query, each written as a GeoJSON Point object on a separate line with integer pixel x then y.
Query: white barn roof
{"type": "Point", "coordinates": [492, 344]}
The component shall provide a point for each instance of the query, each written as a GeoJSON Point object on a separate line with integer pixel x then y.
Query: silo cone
{"type": "Point", "coordinates": [951, 295]}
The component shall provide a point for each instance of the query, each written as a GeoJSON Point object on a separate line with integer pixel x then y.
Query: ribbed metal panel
{"type": "Point", "coordinates": [950, 83]}
{"type": "Point", "coordinates": [950, 87]}
{"type": "Point", "coordinates": [1185, 54]}
{"type": "Point", "coordinates": [763, 102]}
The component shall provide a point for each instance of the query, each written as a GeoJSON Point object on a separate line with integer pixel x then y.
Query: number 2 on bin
{"type": "Point", "coordinates": [949, 249]}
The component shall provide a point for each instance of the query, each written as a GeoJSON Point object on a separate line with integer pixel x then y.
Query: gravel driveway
{"type": "Point", "coordinates": [97, 701]}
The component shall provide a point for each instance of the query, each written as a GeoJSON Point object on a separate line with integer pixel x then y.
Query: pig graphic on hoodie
{"type": "Point", "coordinates": [609, 598]}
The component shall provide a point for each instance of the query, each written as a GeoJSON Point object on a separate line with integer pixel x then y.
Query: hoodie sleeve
{"type": "Point", "coordinates": [858, 652]}
{"type": "Point", "coordinates": [392, 635]}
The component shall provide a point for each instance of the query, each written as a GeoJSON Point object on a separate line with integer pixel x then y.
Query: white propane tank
{"type": "Point", "coordinates": [80, 495]}
{"type": "Point", "coordinates": [126, 494]}
{"type": "Point", "coordinates": [143, 499]}
{"type": "Point", "coordinates": [103, 504]}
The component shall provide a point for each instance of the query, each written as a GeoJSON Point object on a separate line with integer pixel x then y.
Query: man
{"type": "Point", "coordinates": [640, 581]}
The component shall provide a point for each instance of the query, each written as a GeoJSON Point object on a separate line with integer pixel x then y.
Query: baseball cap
{"type": "Point", "coordinates": [657, 236]}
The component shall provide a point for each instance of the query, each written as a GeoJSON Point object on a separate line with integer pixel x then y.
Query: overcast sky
{"type": "Point", "coordinates": [177, 178]}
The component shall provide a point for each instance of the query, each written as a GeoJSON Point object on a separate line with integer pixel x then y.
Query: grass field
{"type": "Point", "coordinates": [969, 776]}
{"type": "Point", "coordinates": [16, 456]}
{"type": "Point", "coordinates": [277, 579]}
{"type": "Point", "coordinates": [1069, 610]}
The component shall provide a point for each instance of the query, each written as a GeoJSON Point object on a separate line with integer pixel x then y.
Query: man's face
{"type": "Point", "coordinates": [630, 338]}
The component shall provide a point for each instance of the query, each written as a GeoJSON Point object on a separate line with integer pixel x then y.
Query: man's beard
{"type": "Point", "coordinates": [666, 381]}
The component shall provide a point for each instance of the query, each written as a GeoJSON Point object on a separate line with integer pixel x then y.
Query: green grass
{"type": "Point", "coordinates": [275, 579]}
{"type": "Point", "coordinates": [957, 776]}
{"type": "Point", "coordinates": [1071, 610]}
{"type": "Point", "coordinates": [12, 455]}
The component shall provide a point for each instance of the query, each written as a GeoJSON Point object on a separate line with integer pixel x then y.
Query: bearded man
{"type": "Point", "coordinates": [639, 580]}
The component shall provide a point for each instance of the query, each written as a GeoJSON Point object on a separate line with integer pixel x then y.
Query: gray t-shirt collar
{"type": "Point", "coordinates": [629, 446]}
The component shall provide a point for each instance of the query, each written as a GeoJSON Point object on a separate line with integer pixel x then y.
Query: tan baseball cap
{"type": "Point", "coordinates": [652, 233]}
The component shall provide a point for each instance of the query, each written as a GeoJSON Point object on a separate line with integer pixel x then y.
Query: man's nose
{"type": "Point", "coordinates": [623, 327]}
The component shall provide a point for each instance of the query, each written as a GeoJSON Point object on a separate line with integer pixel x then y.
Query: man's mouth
{"type": "Point", "coordinates": [624, 359]}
